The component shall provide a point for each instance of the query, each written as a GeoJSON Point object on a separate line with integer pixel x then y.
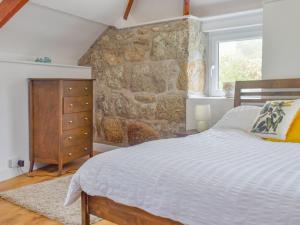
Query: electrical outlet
{"type": "Point", "coordinates": [21, 163]}
{"type": "Point", "coordinates": [13, 163]}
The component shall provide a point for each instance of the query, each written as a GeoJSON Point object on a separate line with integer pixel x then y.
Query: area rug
{"type": "Point", "coordinates": [47, 199]}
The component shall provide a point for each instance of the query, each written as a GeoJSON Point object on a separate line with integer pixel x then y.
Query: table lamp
{"type": "Point", "coordinates": [202, 116]}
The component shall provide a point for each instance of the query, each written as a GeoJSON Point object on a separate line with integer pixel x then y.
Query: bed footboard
{"type": "Point", "coordinates": [118, 213]}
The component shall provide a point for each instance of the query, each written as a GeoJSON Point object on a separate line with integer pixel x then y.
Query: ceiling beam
{"type": "Point", "coordinates": [8, 8]}
{"type": "Point", "coordinates": [128, 8]}
{"type": "Point", "coordinates": [187, 8]}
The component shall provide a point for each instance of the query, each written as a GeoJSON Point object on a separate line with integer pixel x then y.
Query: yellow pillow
{"type": "Point", "coordinates": [293, 134]}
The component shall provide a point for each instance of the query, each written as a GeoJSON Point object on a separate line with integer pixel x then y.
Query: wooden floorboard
{"type": "Point", "coordinates": [11, 214]}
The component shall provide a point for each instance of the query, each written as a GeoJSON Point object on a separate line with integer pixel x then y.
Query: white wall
{"type": "Point", "coordinates": [219, 106]}
{"type": "Point", "coordinates": [39, 31]}
{"type": "Point", "coordinates": [281, 51]}
{"type": "Point", "coordinates": [14, 133]}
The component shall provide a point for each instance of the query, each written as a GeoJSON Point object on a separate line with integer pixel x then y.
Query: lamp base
{"type": "Point", "coordinates": [202, 126]}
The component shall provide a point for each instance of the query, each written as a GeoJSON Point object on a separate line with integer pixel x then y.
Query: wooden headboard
{"type": "Point", "coordinates": [259, 91]}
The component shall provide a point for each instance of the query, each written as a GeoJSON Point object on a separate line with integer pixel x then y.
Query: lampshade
{"type": "Point", "coordinates": [202, 113]}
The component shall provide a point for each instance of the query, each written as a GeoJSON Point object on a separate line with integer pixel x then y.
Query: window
{"type": "Point", "coordinates": [234, 55]}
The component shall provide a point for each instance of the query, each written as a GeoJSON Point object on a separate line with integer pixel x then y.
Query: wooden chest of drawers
{"type": "Point", "coordinates": [61, 120]}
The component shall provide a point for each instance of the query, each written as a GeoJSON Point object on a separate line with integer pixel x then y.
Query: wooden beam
{"type": "Point", "coordinates": [186, 8]}
{"type": "Point", "coordinates": [128, 8]}
{"type": "Point", "coordinates": [8, 8]}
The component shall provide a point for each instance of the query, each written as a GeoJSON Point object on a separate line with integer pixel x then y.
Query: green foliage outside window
{"type": "Point", "coordinates": [240, 60]}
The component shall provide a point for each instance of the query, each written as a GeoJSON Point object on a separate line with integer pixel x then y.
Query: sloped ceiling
{"type": "Point", "coordinates": [110, 12]}
{"type": "Point", "coordinates": [103, 11]}
{"type": "Point", "coordinates": [37, 31]}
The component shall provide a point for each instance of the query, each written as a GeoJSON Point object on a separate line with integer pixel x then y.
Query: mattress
{"type": "Point", "coordinates": [219, 177]}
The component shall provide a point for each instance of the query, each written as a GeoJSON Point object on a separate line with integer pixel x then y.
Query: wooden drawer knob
{"type": "Point", "coordinates": [70, 121]}
{"type": "Point", "coordinates": [85, 118]}
{"type": "Point", "coordinates": [86, 103]}
{"type": "Point", "coordinates": [69, 154]}
{"type": "Point", "coordinates": [71, 105]}
{"type": "Point", "coordinates": [86, 133]}
{"type": "Point", "coordinates": [70, 137]}
{"type": "Point", "coordinates": [70, 89]}
{"type": "Point", "coordinates": [86, 88]}
{"type": "Point", "coordinates": [85, 148]}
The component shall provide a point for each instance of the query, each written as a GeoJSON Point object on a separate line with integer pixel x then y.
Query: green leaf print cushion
{"type": "Point", "coordinates": [275, 119]}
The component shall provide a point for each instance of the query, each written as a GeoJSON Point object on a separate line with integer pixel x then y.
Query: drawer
{"type": "Point", "coordinates": [77, 136]}
{"type": "Point", "coordinates": [77, 88]}
{"type": "Point", "coordinates": [76, 152]}
{"type": "Point", "coordinates": [75, 120]}
{"type": "Point", "coordinates": [78, 104]}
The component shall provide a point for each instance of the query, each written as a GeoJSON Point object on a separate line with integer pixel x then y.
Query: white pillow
{"type": "Point", "coordinates": [241, 117]}
{"type": "Point", "coordinates": [275, 119]}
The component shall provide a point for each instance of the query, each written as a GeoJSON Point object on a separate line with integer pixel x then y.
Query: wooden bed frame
{"type": "Point", "coordinates": [246, 92]}
{"type": "Point", "coordinates": [258, 92]}
{"type": "Point", "coordinates": [118, 213]}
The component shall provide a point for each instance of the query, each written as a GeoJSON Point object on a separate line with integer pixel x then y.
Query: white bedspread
{"type": "Point", "coordinates": [219, 177]}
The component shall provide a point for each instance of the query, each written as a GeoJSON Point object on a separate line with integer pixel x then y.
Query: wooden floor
{"type": "Point", "coordinates": [11, 214]}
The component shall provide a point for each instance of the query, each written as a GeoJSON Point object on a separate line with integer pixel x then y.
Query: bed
{"type": "Point", "coordinates": [223, 176]}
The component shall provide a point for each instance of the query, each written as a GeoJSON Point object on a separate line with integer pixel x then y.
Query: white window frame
{"type": "Point", "coordinates": [213, 61]}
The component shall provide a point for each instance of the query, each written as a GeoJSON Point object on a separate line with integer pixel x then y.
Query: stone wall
{"type": "Point", "coordinates": [143, 75]}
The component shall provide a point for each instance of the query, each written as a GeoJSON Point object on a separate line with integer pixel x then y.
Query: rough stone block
{"type": "Point", "coordinates": [113, 130]}
{"type": "Point", "coordinates": [112, 57]}
{"type": "Point", "coordinates": [145, 98]}
{"type": "Point", "coordinates": [165, 46]}
{"type": "Point", "coordinates": [139, 132]}
{"type": "Point", "coordinates": [171, 108]}
{"type": "Point", "coordinates": [144, 80]}
{"type": "Point", "coordinates": [137, 51]}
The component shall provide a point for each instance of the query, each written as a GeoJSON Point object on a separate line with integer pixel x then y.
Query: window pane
{"type": "Point", "coordinates": [240, 60]}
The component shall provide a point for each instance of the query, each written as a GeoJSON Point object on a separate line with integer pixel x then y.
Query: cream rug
{"type": "Point", "coordinates": [47, 199]}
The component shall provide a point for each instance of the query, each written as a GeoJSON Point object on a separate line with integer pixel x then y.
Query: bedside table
{"type": "Point", "coordinates": [186, 133]}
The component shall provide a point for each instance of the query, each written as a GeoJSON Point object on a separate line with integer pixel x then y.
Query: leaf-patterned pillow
{"type": "Point", "coordinates": [275, 119]}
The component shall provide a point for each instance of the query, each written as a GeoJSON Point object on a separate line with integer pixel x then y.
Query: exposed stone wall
{"type": "Point", "coordinates": [143, 75]}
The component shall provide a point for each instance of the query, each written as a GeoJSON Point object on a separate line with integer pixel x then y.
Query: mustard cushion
{"type": "Point", "coordinates": [293, 134]}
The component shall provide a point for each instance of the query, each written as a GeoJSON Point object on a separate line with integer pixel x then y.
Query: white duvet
{"type": "Point", "coordinates": [219, 177]}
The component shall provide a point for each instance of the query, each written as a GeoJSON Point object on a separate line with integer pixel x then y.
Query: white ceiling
{"type": "Point", "coordinates": [205, 8]}
{"type": "Point", "coordinates": [110, 12]}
